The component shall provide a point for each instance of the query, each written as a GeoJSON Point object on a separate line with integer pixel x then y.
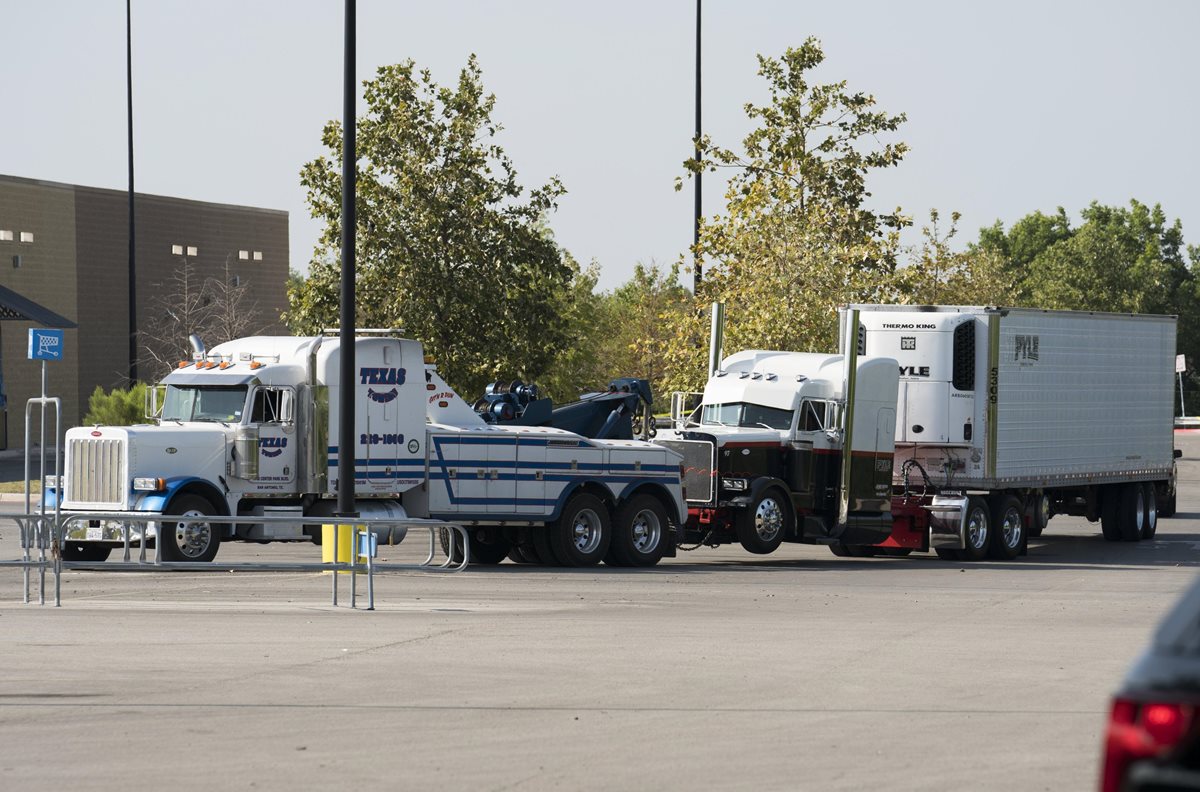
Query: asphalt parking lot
{"type": "Point", "coordinates": [715, 670]}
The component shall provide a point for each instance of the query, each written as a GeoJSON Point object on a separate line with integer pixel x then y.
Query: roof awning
{"type": "Point", "coordinates": [15, 307]}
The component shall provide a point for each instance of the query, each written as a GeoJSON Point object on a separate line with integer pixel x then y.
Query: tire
{"type": "Point", "coordinates": [1110, 524]}
{"type": "Point", "coordinates": [482, 553]}
{"type": "Point", "coordinates": [88, 552]}
{"type": "Point", "coordinates": [1150, 516]}
{"type": "Point", "coordinates": [523, 554]}
{"type": "Point", "coordinates": [1008, 528]}
{"type": "Point", "coordinates": [841, 551]}
{"type": "Point", "coordinates": [1131, 512]}
{"type": "Point", "coordinates": [979, 530]}
{"type": "Point", "coordinates": [539, 546]}
{"type": "Point", "coordinates": [761, 527]}
{"type": "Point", "coordinates": [1041, 514]}
{"type": "Point", "coordinates": [639, 533]}
{"type": "Point", "coordinates": [1166, 504]}
{"type": "Point", "coordinates": [189, 542]}
{"type": "Point", "coordinates": [583, 532]}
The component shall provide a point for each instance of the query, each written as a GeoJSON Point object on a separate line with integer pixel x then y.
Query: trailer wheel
{"type": "Point", "coordinates": [842, 550]}
{"type": "Point", "coordinates": [1131, 512]}
{"type": "Point", "coordinates": [196, 541]}
{"type": "Point", "coordinates": [761, 528]}
{"type": "Point", "coordinates": [89, 552]}
{"type": "Point", "coordinates": [1008, 536]}
{"type": "Point", "coordinates": [582, 534]}
{"type": "Point", "coordinates": [540, 546]}
{"type": "Point", "coordinates": [523, 554]}
{"type": "Point", "coordinates": [1166, 507]}
{"type": "Point", "coordinates": [639, 533]}
{"type": "Point", "coordinates": [1110, 524]}
{"type": "Point", "coordinates": [979, 530]}
{"type": "Point", "coordinates": [1150, 521]}
{"type": "Point", "coordinates": [1041, 514]}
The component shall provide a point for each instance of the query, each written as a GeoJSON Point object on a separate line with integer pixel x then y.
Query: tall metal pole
{"type": "Point", "coordinates": [346, 447]}
{"type": "Point", "coordinates": [699, 275]}
{"type": "Point", "coordinates": [133, 350]}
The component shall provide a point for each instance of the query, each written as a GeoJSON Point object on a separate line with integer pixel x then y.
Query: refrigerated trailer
{"type": "Point", "coordinates": [1048, 412]}
{"type": "Point", "coordinates": [956, 429]}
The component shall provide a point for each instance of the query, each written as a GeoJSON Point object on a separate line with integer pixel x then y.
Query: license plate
{"type": "Point", "coordinates": [95, 533]}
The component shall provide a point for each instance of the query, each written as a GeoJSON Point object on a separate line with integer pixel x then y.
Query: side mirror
{"type": "Point", "coordinates": [1179, 453]}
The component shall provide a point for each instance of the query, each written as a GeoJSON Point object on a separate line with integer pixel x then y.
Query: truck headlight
{"type": "Point", "coordinates": [147, 484]}
{"type": "Point", "coordinates": [738, 484]}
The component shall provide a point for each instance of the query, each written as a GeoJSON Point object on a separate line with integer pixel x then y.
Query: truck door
{"type": "Point", "coordinates": [502, 474]}
{"type": "Point", "coordinates": [273, 411]}
{"type": "Point", "coordinates": [382, 441]}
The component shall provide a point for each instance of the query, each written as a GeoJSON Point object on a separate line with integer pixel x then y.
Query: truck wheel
{"type": "Point", "coordinates": [1041, 514]}
{"type": "Point", "coordinates": [582, 534]}
{"type": "Point", "coordinates": [1110, 524]}
{"type": "Point", "coordinates": [1166, 506]}
{"type": "Point", "coordinates": [540, 546]}
{"type": "Point", "coordinates": [1150, 519]}
{"type": "Point", "coordinates": [89, 552]}
{"type": "Point", "coordinates": [639, 533]}
{"type": "Point", "coordinates": [1008, 521]}
{"type": "Point", "coordinates": [1131, 512]}
{"type": "Point", "coordinates": [979, 530]}
{"type": "Point", "coordinates": [761, 528]}
{"type": "Point", "coordinates": [841, 550]}
{"type": "Point", "coordinates": [523, 554]}
{"type": "Point", "coordinates": [484, 553]}
{"type": "Point", "coordinates": [189, 541]}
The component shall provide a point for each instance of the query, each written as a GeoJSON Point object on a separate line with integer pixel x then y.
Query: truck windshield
{"type": "Point", "coordinates": [204, 403]}
{"type": "Point", "coordinates": [746, 414]}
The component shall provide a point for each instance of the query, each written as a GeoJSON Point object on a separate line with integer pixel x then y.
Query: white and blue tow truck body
{"type": "Point", "coordinates": [251, 428]}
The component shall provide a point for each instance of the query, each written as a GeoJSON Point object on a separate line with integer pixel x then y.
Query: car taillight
{"type": "Point", "coordinates": [1140, 730]}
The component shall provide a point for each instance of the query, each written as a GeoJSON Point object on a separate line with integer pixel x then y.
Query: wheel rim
{"type": "Point", "coordinates": [1012, 528]}
{"type": "Point", "coordinates": [193, 539]}
{"type": "Point", "coordinates": [1044, 512]}
{"type": "Point", "coordinates": [1140, 516]}
{"type": "Point", "coordinates": [977, 529]}
{"type": "Point", "coordinates": [1151, 510]}
{"type": "Point", "coordinates": [647, 531]}
{"type": "Point", "coordinates": [768, 519]}
{"type": "Point", "coordinates": [586, 531]}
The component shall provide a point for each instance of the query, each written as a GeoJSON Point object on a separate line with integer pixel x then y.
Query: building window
{"type": "Point", "coordinates": [258, 255]}
{"type": "Point", "coordinates": [176, 250]}
{"type": "Point", "coordinates": [192, 251]}
{"type": "Point", "coordinates": [244, 255]}
{"type": "Point", "coordinates": [5, 236]}
{"type": "Point", "coordinates": [26, 236]}
{"type": "Point", "coordinates": [235, 281]}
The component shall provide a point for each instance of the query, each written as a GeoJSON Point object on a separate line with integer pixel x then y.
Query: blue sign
{"type": "Point", "coordinates": [45, 344]}
{"type": "Point", "coordinates": [368, 544]}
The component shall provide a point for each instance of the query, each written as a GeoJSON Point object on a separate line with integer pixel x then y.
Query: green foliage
{"type": "Point", "coordinates": [450, 247]}
{"type": "Point", "coordinates": [118, 407]}
{"type": "Point", "coordinates": [797, 238]}
{"type": "Point", "coordinates": [936, 273]}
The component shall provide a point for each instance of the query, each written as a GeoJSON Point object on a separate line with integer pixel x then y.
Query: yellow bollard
{"type": "Point", "coordinates": [345, 544]}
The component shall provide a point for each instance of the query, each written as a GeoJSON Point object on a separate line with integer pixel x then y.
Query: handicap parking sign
{"type": "Point", "coordinates": [45, 344]}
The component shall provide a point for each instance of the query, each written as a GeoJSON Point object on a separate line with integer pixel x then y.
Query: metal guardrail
{"type": "Point", "coordinates": [41, 539]}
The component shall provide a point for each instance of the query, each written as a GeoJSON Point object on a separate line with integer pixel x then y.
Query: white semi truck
{"type": "Point", "coordinates": [949, 428]}
{"type": "Point", "coordinates": [250, 428]}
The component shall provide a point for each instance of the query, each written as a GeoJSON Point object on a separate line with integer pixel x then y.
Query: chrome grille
{"type": "Point", "coordinates": [96, 471]}
{"type": "Point", "coordinates": [699, 468]}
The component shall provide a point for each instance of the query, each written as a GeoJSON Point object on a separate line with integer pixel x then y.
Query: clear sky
{"type": "Point", "coordinates": [1012, 106]}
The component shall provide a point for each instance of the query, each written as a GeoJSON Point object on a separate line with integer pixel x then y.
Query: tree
{"type": "Point", "coordinates": [181, 305]}
{"type": "Point", "coordinates": [233, 314]}
{"type": "Point", "coordinates": [798, 238]}
{"type": "Point", "coordinates": [118, 407]}
{"type": "Point", "coordinates": [450, 247]}
{"type": "Point", "coordinates": [935, 273]}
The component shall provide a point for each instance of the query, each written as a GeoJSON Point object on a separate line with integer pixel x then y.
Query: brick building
{"type": "Point", "coordinates": [66, 247]}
